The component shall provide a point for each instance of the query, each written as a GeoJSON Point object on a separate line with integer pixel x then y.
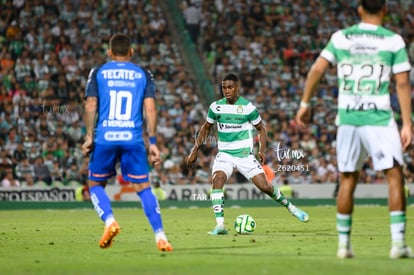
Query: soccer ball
{"type": "Point", "coordinates": [244, 224]}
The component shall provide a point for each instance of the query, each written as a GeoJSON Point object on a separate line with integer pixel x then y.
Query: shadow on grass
{"type": "Point", "coordinates": [213, 248]}
{"type": "Point", "coordinates": [200, 249]}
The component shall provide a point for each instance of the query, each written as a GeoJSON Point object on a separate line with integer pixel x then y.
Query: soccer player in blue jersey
{"type": "Point", "coordinates": [117, 94]}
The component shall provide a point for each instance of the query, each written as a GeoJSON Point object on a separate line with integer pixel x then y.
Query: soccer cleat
{"type": "Point", "coordinates": [345, 253]}
{"type": "Point", "coordinates": [109, 234]}
{"type": "Point", "coordinates": [218, 230]}
{"type": "Point", "coordinates": [398, 252]}
{"type": "Point", "coordinates": [300, 214]}
{"type": "Point", "coordinates": [164, 245]}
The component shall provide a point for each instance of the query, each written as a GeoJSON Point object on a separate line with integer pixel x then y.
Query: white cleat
{"type": "Point", "coordinates": [300, 214]}
{"type": "Point", "coordinates": [398, 252]}
{"type": "Point", "coordinates": [345, 253]}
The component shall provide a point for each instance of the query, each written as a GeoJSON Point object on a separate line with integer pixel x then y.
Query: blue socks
{"type": "Point", "coordinates": [152, 209]}
{"type": "Point", "coordinates": [149, 203]}
{"type": "Point", "coordinates": [101, 202]}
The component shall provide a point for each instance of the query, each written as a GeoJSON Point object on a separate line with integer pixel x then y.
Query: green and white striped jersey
{"type": "Point", "coordinates": [234, 125]}
{"type": "Point", "coordinates": [366, 56]}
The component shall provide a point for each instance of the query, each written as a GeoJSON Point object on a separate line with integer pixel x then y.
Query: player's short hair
{"type": "Point", "coordinates": [231, 77]}
{"type": "Point", "coordinates": [120, 44]}
{"type": "Point", "coordinates": [373, 6]}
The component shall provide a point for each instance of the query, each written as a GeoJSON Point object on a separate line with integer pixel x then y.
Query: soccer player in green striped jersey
{"type": "Point", "coordinates": [235, 117]}
{"type": "Point", "coordinates": [367, 57]}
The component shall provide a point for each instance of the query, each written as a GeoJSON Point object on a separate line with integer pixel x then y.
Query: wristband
{"type": "Point", "coordinates": [153, 140]}
{"type": "Point", "coordinates": [304, 104]}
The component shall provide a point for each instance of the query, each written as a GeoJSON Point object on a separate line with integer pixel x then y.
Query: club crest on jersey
{"type": "Point", "coordinates": [239, 109]}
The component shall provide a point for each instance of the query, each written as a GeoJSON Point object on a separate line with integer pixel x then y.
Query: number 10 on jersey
{"type": "Point", "coordinates": [120, 105]}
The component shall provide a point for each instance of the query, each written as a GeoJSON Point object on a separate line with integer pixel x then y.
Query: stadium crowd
{"type": "Point", "coordinates": [49, 46]}
{"type": "Point", "coordinates": [271, 45]}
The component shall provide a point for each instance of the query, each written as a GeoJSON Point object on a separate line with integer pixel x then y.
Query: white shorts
{"type": "Point", "coordinates": [248, 166]}
{"type": "Point", "coordinates": [381, 143]}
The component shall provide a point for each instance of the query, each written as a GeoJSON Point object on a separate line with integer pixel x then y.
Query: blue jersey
{"type": "Point", "coordinates": [120, 88]}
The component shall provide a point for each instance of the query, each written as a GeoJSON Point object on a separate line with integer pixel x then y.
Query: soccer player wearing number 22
{"type": "Point", "coordinates": [117, 93]}
{"type": "Point", "coordinates": [366, 55]}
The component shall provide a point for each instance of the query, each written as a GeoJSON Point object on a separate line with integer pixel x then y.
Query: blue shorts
{"type": "Point", "coordinates": [133, 159]}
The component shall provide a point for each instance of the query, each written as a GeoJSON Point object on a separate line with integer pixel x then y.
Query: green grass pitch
{"type": "Point", "coordinates": [66, 242]}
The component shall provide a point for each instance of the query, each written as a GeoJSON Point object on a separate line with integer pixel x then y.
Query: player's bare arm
{"type": "Point", "coordinates": [261, 129]}
{"type": "Point", "coordinates": [404, 98]}
{"type": "Point", "coordinates": [314, 76]}
{"type": "Point", "coordinates": [151, 119]}
{"type": "Point", "coordinates": [202, 135]}
{"type": "Point", "coordinates": [91, 104]}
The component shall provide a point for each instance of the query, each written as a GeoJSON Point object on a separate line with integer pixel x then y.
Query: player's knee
{"type": "Point", "coordinates": [92, 183]}
{"type": "Point", "coordinates": [139, 187]}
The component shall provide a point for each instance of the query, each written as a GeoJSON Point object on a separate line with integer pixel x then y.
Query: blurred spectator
{"type": "Point", "coordinates": [72, 174]}
{"type": "Point", "coordinates": [8, 179]}
{"type": "Point", "coordinates": [171, 173]}
{"type": "Point", "coordinates": [192, 18]}
{"type": "Point", "coordinates": [48, 47]}
{"type": "Point", "coordinates": [57, 172]}
{"type": "Point", "coordinates": [282, 39]}
{"type": "Point", "coordinates": [25, 172]}
{"type": "Point", "coordinates": [202, 173]}
{"type": "Point", "coordinates": [42, 172]}
{"type": "Point", "coordinates": [19, 154]}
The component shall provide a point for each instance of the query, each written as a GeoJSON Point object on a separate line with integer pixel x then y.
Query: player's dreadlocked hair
{"type": "Point", "coordinates": [373, 6]}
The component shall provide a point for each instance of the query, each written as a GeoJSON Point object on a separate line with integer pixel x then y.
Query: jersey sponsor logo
{"type": "Point", "coordinates": [361, 106]}
{"type": "Point", "coordinates": [226, 126]}
{"type": "Point", "coordinates": [121, 83]}
{"type": "Point", "coordinates": [118, 123]}
{"type": "Point", "coordinates": [117, 136]}
{"type": "Point", "coordinates": [360, 49]}
{"type": "Point", "coordinates": [229, 118]}
{"type": "Point", "coordinates": [351, 36]}
{"type": "Point", "coordinates": [121, 74]}
{"type": "Point", "coordinates": [364, 106]}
